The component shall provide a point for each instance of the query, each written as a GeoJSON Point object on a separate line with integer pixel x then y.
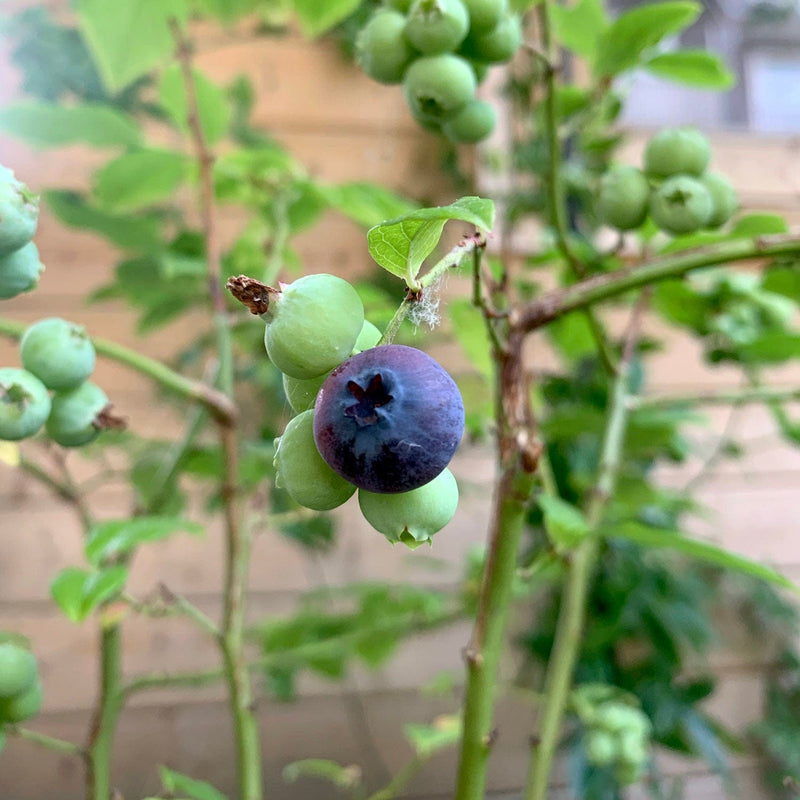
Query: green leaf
{"type": "Point", "coordinates": [129, 37]}
{"type": "Point", "coordinates": [67, 590]}
{"type": "Point", "coordinates": [444, 731]}
{"type": "Point", "coordinates": [78, 592]}
{"type": "Point", "coordinates": [102, 585]}
{"type": "Point", "coordinates": [375, 648]}
{"type": "Point", "coordinates": [632, 33]}
{"type": "Point", "coordinates": [699, 550]}
{"type": "Point", "coordinates": [48, 125]}
{"type": "Point", "coordinates": [114, 538]}
{"type": "Point", "coordinates": [177, 784]}
{"type": "Point", "coordinates": [140, 233]}
{"type": "Point", "coordinates": [339, 776]}
{"type": "Point", "coordinates": [579, 27]}
{"type": "Point", "coordinates": [227, 11]}
{"type": "Point", "coordinates": [564, 523]}
{"type": "Point", "coordinates": [698, 68]}
{"type": "Point", "coordinates": [758, 225]}
{"type": "Point", "coordinates": [140, 179]}
{"type": "Point", "coordinates": [318, 16]}
{"type": "Point", "coordinates": [682, 305]}
{"type": "Point", "coordinates": [471, 334]}
{"type": "Point", "coordinates": [772, 347]}
{"type": "Point", "coordinates": [784, 281]}
{"type": "Point", "coordinates": [401, 245]}
{"type": "Point", "coordinates": [213, 107]}
{"type": "Point", "coordinates": [368, 204]}
{"type": "Point", "coordinates": [572, 335]}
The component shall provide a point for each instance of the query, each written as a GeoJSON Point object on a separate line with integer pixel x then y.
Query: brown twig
{"type": "Point", "coordinates": [237, 539]}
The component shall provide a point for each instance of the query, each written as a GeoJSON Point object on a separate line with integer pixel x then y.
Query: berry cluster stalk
{"type": "Point", "coordinates": [237, 537]}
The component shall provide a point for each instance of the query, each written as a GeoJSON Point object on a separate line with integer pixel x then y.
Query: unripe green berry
{"type": "Point", "coordinates": [302, 472]}
{"type": "Point", "coordinates": [436, 26]}
{"type": "Point", "coordinates": [368, 338]}
{"type": "Point", "coordinates": [497, 45]}
{"type": "Point", "coordinates": [681, 205]}
{"type": "Point", "coordinates": [633, 748]}
{"type": "Point", "coordinates": [601, 748]}
{"type": "Point", "coordinates": [382, 50]}
{"type": "Point", "coordinates": [473, 123]}
{"type": "Point", "coordinates": [72, 422]}
{"type": "Point", "coordinates": [723, 198]}
{"type": "Point", "coordinates": [22, 706]}
{"type": "Point", "coordinates": [302, 392]}
{"type": "Point", "coordinates": [24, 404]}
{"type": "Point", "coordinates": [312, 325]}
{"type": "Point", "coordinates": [18, 670]}
{"type": "Point", "coordinates": [412, 517]}
{"type": "Point", "coordinates": [623, 197]}
{"type": "Point", "coordinates": [485, 15]}
{"type": "Point", "coordinates": [437, 86]}
{"type": "Point", "coordinates": [20, 271]}
{"type": "Point", "coordinates": [57, 352]}
{"type": "Point", "coordinates": [19, 213]}
{"type": "Point", "coordinates": [675, 151]}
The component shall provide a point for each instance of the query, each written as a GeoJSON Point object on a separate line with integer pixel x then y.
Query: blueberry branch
{"type": "Point", "coordinates": [555, 304]}
{"type": "Point", "coordinates": [237, 537]}
{"type": "Point", "coordinates": [755, 394]}
{"type": "Point", "coordinates": [217, 403]}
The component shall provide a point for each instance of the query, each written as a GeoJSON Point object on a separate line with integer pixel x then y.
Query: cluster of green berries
{"type": "Point", "coordinates": [616, 733]}
{"type": "Point", "coordinates": [674, 188]}
{"type": "Point", "coordinates": [440, 50]}
{"type": "Point", "coordinates": [20, 686]}
{"type": "Point", "coordinates": [19, 215]}
{"type": "Point", "coordinates": [383, 420]}
{"type": "Point", "coordinates": [57, 356]}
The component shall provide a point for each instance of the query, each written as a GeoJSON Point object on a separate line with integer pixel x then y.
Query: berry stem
{"type": "Point", "coordinates": [48, 742]}
{"type": "Point", "coordinates": [237, 535]}
{"type": "Point", "coordinates": [572, 614]}
{"type": "Point", "coordinates": [452, 259]}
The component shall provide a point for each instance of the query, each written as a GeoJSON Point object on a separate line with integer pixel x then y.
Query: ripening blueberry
{"type": "Point", "coordinates": [436, 26]}
{"type": "Point", "coordinates": [437, 86]}
{"type": "Point", "coordinates": [497, 45]}
{"type": "Point", "coordinates": [72, 421]}
{"type": "Point", "coordinates": [312, 324]}
{"type": "Point", "coordinates": [20, 271]}
{"type": "Point", "coordinates": [22, 706]}
{"type": "Point", "coordinates": [300, 470]}
{"type": "Point", "coordinates": [412, 517]}
{"type": "Point", "coordinates": [59, 353]}
{"type": "Point", "coordinates": [681, 204]}
{"type": "Point", "coordinates": [18, 669]}
{"type": "Point", "coordinates": [19, 213]}
{"type": "Point", "coordinates": [388, 419]}
{"type": "Point", "coordinates": [24, 404]}
{"type": "Point", "coordinates": [473, 123]}
{"type": "Point", "coordinates": [382, 50]}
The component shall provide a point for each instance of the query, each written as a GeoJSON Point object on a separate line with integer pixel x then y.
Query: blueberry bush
{"type": "Point", "coordinates": [327, 402]}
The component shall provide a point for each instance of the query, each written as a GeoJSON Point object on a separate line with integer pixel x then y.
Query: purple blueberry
{"type": "Point", "coordinates": [388, 419]}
